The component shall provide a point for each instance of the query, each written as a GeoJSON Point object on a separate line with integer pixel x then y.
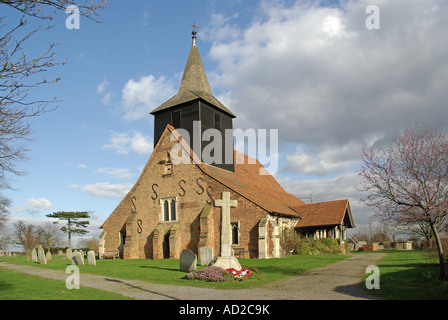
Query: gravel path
{"type": "Point", "coordinates": [338, 281]}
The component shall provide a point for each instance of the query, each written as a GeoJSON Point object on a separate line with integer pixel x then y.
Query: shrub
{"type": "Point", "coordinates": [308, 246]}
{"type": "Point", "coordinates": [209, 274]}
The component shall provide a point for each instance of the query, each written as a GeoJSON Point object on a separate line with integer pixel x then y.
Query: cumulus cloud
{"type": "Point", "coordinates": [101, 90]}
{"type": "Point", "coordinates": [33, 206]}
{"type": "Point", "coordinates": [329, 84]}
{"type": "Point", "coordinates": [41, 203]}
{"type": "Point", "coordinates": [107, 190]}
{"type": "Point", "coordinates": [101, 87]}
{"type": "Point", "coordinates": [132, 141]}
{"type": "Point", "coordinates": [336, 188]}
{"type": "Point", "coordinates": [140, 97]}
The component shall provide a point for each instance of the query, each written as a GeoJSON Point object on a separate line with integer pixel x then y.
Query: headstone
{"type": "Point", "coordinates": [77, 259]}
{"type": "Point", "coordinates": [48, 256]}
{"type": "Point", "coordinates": [60, 253]}
{"type": "Point", "coordinates": [68, 253]}
{"type": "Point", "coordinates": [91, 258]}
{"type": "Point", "coordinates": [101, 244]}
{"type": "Point", "coordinates": [34, 255]}
{"type": "Point", "coordinates": [82, 253]}
{"type": "Point", "coordinates": [226, 260]}
{"type": "Point", "coordinates": [206, 254]}
{"type": "Point", "coordinates": [188, 261]}
{"type": "Point", "coordinates": [41, 255]}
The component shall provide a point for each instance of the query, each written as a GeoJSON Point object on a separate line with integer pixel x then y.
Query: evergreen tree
{"type": "Point", "coordinates": [74, 225]}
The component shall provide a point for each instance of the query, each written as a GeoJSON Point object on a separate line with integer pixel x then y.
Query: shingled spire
{"type": "Point", "coordinates": [194, 83]}
{"type": "Point", "coordinates": [194, 78]}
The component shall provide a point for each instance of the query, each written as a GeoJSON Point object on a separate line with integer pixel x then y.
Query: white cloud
{"type": "Point", "coordinates": [133, 141]}
{"type": "Point", "coordinates": [106, 98]}
{"type": "Point", "coordinates": [101, 90]}
{"type": "Point", "coordinates": [141, 144]}
{"type": "Point", "coordinates": [106, 190]}
{"type": "Point", "coordinates": [33, 206]}
{"type": "Point", "coordinates": [341, 187]}
{"type": "Point", "coordinates": [101, 87]}
{"type": "Point", "coordinates": [327, 159]}
{"type": "Point", "coordinates": [81, 166]}
{"type": "Point", "coordinates": [41, 203]}
{"type": "Point", "coordinates": [140, 97]}
{"type": "Point", "coordinates": [328, 83]}
{"type": "Point", "coordinates": [117, 173]}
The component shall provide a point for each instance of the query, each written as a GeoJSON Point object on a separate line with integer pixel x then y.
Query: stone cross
{"type": "Point", "coordinates": [226, 232]}
{"type": "Point", "coordinates": [226, 260]}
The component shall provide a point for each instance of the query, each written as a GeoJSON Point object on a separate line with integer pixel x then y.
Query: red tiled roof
{"type": "Point", "coordinates": [261, 189]}
{"type": "Point", "coordinates": [264, 190]}
{"type": "Point", "coordinates": [325, 214]}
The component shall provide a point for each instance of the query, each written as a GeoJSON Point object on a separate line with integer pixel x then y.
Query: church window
{"type": "Point", "coordinates": [175, 119]}
{"type": "Point", "coordinates": [166, 211]}
{"type": "Point", "coordinates": [173, 209]}
{"type": "Point", "coordinates": [169, 209]}
{"type": "Point", "coordinates": [235, 232]}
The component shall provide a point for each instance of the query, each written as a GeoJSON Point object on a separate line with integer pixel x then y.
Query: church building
{"type": "Point", "coordinates": [172, 206]}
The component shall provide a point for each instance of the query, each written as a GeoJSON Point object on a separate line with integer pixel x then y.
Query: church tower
{"type": "Point", "coordinates": [195, 109]}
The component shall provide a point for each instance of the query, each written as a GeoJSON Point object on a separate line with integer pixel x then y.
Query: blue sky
{"type": "Point", "coordinates": [310, 69]}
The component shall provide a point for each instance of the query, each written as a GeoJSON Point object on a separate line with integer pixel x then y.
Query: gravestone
{"type": "Point", "coordinates": [226, 260]}
{"type": "Point", "coordinates": [60, 253]}
{"type": "Point", "coordinates": [41, 255]}
{"type": "Point", "coordinates": [34, 255]}
{"type": "Point", "coordinates": [48, 256]}
{"type": "Point", "coordinates": [68, 253]}
{"type": "Point", "coordinates": [188, 261]}
{"type": "Point", "coordinates": [206, 254]}
{"type": "Point", "coordinates": [77, 259]}
{"type": "Point", "coordinates": [91, 258]}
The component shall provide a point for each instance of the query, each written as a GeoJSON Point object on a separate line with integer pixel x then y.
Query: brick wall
{"type": "Point", "coordinates": [148, 236]}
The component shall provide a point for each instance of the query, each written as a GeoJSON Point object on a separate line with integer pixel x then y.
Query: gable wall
{"type": "Point", "coordinates": [192, 189]}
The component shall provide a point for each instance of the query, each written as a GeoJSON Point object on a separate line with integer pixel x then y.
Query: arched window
{"type": "Point", "coordinates": [166, 211]}
{"type": "Point", "coordinates": [173, 209]}
{"type": "Point", "coordinates": [169, 209]}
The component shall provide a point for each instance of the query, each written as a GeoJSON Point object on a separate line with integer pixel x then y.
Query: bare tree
{"type": "Point", "coordinates": [408, 182]}
{"type": "Point", "coordinates": [51, 235]}
{"type": "Point", "coordinates": [4, 213]}
{"type": "Point", "coordinates": [27, 235]}
{"type": "Point", "coordinates": [20, 73]}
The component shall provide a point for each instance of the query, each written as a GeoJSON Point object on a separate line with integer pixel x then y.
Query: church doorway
{"type": "Point", "coordinates": [166, 246]}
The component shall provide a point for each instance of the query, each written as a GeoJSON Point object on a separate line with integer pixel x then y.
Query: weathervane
{"type": "Point", "coordinates": [194, 32]}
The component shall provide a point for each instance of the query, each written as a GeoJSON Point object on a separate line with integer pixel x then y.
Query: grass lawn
{"type": "Point", "coordinates": [167, 271]}
{"type": "Point", "coordinates": [19, 286]}
{"type": "Point", "coordinates": [410, 275]}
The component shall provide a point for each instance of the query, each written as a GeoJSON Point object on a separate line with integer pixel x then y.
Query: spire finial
{"type": "Point", "coordinates": [194, 32]}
